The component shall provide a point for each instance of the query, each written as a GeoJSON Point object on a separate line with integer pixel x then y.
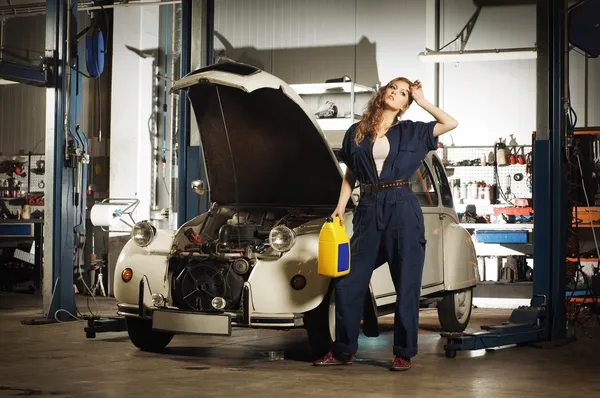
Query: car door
{"type": "Point", "coordinates": [424, 188]}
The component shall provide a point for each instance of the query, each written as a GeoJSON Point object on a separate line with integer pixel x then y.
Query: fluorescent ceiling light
{"type": "Point", "coordinates": [4, 82]}
{"type": "Point", "coordinates": [478, 55]}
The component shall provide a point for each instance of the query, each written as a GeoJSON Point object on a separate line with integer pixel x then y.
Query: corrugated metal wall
{"type": "Point", "coordinates": [22, 107]}
{"type": "Point", "coordinates": [309, 41]}
{"type": "Point", "coordinates": [22, 119]}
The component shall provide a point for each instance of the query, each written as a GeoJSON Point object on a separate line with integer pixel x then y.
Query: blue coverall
{"type": "Point", "coordinates": [388, 226]}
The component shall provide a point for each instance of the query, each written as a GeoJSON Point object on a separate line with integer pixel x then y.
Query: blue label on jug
{"type": "Point", "coordinates": [343, 257]}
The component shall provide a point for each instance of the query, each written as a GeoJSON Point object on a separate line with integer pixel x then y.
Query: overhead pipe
{"type": "Point", "coordinates": [175, 109]}
{"type": "Point", "coordinates": [67, 74]}
{"type": "Point", "coordinates": [129, 4]}
{"type": "Point", "coordinates": [40, 8]}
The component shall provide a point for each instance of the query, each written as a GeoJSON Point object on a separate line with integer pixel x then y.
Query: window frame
{"type": "Point", "coordinates": [419, 194]}
{"type": "Point", "coordinates": [443, 183]}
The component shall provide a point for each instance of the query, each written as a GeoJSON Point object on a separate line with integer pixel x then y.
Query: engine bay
{"type": "Point", "coordinates": [213, 255]}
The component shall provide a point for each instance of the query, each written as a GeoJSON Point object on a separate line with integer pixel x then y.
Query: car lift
{"type": "Point", "coordinates": [544, 319]}
{"type": "Point", "coordinates": [66, 155]}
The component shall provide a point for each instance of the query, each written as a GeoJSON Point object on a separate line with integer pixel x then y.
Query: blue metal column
{"type": "Point", "coordinates": [67, 204]}
{"type": "Point", "coordinates": [545, 319]}
{"type": "Point", "coordinates": [184, 115]}
{"type": "Point", "coordinates": [190, 158]}
{"type": "Point", "coordinates": [560, 211]}
{"type": "Point", "coordinates": [549, 195]}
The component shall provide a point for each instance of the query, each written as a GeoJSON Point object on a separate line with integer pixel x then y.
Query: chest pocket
{"type": "Point", "coordinates": [408, 153]}
{"type": "Point", "coordinates": [409, 146]}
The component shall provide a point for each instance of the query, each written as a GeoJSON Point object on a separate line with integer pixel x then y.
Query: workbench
{"type": "Point", "coordinates": [502, 249]}
{"type": "Point", "coordinates": [14, 233]}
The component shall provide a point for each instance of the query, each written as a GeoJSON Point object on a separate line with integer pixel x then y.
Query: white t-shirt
{"type": "Point", "coordinates": [381, 149]}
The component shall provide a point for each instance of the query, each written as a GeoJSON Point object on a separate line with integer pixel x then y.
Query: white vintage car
{"type": "Point", "coordinates": [251, 260]}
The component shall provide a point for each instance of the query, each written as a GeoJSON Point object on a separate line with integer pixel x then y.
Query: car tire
{"type": "Point", "coordinates": [320, 326]}
{"type": "Point", "coordinates": [454, 310]}
{"type": "Point", "coordinates": [143, 337]}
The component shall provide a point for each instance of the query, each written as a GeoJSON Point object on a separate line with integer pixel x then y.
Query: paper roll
{"type": "Point", "coordinates": [108, 216]}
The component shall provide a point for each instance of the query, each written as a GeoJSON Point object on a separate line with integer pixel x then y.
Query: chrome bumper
{"type": "Point", "coordinates": [246, 318]}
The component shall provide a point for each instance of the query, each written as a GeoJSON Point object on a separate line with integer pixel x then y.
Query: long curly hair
{"type": "Point", "coordinates": [371, 118]}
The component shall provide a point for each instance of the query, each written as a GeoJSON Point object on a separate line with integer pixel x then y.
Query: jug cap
{"type": "Point", "coordinates": [328, 219]}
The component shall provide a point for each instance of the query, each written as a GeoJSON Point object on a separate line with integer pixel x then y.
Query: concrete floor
{"type": "Point", "coordinates": [57, 360]}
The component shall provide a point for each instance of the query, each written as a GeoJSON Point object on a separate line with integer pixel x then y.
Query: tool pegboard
{"type": "Point", "coordinates": [475, 165]}
{"type": "Point", "coordinates": [22, 176]}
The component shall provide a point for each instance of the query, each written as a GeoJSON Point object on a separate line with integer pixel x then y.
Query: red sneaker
{"type": "Point", "coordinates": [400, 363]}
{"type": "Point", "coordinates": [330, 360]}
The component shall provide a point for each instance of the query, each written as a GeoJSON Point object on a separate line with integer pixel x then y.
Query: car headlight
{"type": "Point", "coordinates": [282, 238]}
{"type": "Point", "coordinates": [143, 233]}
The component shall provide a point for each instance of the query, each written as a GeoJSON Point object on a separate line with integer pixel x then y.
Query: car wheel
{"type": "Point", "coordinates": [454, 311]}
{"type": "Point", "coordinates": [320, 326]}
{"type": "Point", "coordinates": [143, 337]}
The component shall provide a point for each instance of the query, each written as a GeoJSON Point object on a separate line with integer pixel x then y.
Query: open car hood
{"type": "Point", "coordinates": [259, 138]}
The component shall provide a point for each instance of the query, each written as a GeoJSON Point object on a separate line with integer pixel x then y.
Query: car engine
{"type": "Point", "coordinates": [212, 260]}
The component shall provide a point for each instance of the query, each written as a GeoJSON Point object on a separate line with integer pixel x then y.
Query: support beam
{"type": "Point", "coordinates": [549, 195]}
{"type": "Point", "coordinates": [197, 51]}
{"type": "Point", "coordinates": [23, 73]}
{"type": "Point", "coordinates": [183, 141]}
{"type": "Point", "coordinates": [66, 163]}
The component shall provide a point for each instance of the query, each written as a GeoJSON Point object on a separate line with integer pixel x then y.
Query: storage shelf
{"type": "Point", "coordinates": [587, 131]}
{"type": "Point", "coordinates": [330, 88]}
{"type": "Point", "coordinates": [482, 146]}
{"type": "Point", "coordinates": [588, 225]}
{"type": "Point", "coordinates": [487, 165]}
{"type": "Point", "coordinates": [582, 259]}
{"type": "Point", "coordinates": [510, 227]}
{"type": "Point", "coordinates": [336, 124]}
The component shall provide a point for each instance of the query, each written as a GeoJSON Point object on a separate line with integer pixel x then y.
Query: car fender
{"type": "Point", "coordinates": [270, 280]}
{"type": "Point", "coordinates": [460, 261]}
{"type": "Point", "coordinates": [272, 291]}
{"type": "Point", "coordinates": [149, 263]}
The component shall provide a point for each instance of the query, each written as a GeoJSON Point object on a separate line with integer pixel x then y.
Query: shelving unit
{"type": "Point", "coordinates": [330, 88]}
{"type": "Point", "coordinates": [343, 95]}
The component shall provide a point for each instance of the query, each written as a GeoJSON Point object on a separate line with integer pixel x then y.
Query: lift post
{"type": "Point", "coordinates": [544, 319]}
{"type": "Point", "coordinates": [66, 159]}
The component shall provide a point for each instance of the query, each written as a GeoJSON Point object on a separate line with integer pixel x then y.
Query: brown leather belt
{"type": "Point", "coordinates": [384, 186]}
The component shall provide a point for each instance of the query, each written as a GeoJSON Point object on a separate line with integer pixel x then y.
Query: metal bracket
{"type": "Point", "coordinates": [33, 75]}
{"type": "Point", "coordinates": [128, 207]}
{"type": "Point", "coordinates": [465, 33]}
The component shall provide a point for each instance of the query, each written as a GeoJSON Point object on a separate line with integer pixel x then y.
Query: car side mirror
{"type": "Point", "coordinates": [198, 187]}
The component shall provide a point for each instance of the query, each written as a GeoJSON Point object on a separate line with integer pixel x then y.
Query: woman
{"type": "Point", "coordinates": [382, 153]}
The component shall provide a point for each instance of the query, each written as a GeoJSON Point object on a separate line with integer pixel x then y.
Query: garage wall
{"type": "Point", "coordinates": [23, 107]}
{"type": "Point", "coordinates": [495, 98]}
{"type": "Point", "coordinates": [310, 41]}
{"type": "Point", "coordinates": [578, 83]}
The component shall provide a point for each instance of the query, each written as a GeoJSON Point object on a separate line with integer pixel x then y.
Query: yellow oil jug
{"type": "Point", "coordinates": [334, 249]}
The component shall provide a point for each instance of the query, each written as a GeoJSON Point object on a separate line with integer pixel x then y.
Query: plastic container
{"type": "Point", "coordinates": [334, 249]}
